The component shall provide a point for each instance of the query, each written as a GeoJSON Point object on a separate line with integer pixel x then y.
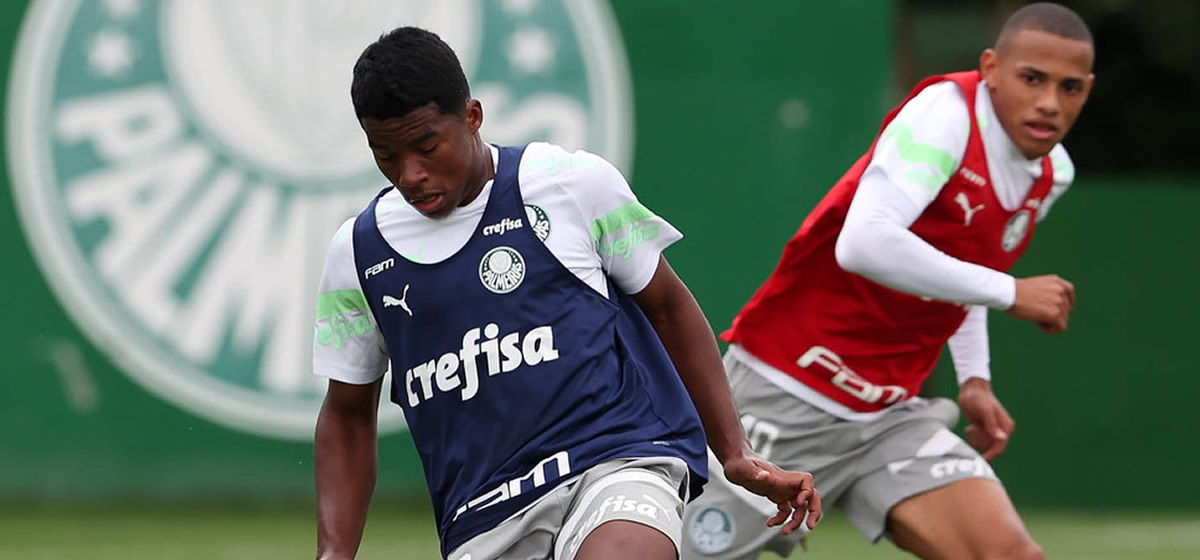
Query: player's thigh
{"type": "Point", "coordinates": [626, 540]}
{"type": "Point", "coordinates": [626, 509]}
{"type": "Point", "coordinates": [970, 518]}
{"type": "Point", "coordinates": [912, 451]}
{"type": "Point", "coordinates": [935, 500]}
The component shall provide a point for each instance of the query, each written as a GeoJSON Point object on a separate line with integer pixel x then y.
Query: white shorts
{"type": "Point", "coordinates": [863, 468]}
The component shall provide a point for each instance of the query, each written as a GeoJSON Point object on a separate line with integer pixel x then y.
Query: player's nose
{"type": "Point", "coordinates": [1048, 102]}
{"type": "Point", "coordinates": [412, 172]}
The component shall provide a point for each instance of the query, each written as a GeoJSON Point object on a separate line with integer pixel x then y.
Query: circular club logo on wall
{"type": "Point", "coordinates": [180, 166]}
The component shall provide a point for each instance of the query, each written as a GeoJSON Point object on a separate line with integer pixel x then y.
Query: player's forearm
{"type": "Point", "coordinates": [875, 243]}
{"type": "Point", "coordinates": [690, 342]}
{"type": "Point", "coordinates": [345, 463]}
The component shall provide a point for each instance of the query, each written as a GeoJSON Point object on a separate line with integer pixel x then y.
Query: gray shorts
{"type": "Point", "coordinates": [650, 491]}
{"type": "Point", "coordinates": [864, 468]}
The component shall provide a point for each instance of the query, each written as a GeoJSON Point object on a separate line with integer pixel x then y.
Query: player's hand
{"type": "Point", "coordinates": [1045, 300]}
{"type": "Point", "coordinates": [989, 426]}
{"type": "Point", "coordinates": [792, 492]}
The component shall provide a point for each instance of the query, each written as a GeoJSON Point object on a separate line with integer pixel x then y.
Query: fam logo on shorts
{"type": "Point", "coordinates": [180, 165]}
{"type": "Point", "coordinates": [711, 531]}
{"type": "Point", "coordinates": [1015, 230]}
{"type": "Point", "coordinates": [502, 269]}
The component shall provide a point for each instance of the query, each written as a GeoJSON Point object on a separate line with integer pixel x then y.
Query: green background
{"type": "Point", "coordinates": [1103, 411]}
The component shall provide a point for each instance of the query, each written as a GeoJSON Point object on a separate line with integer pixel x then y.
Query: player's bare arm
{"type": "Point", "coordinates": [345, 460]}
{"type": "Point", "coordinates": [692, 346]}
{"type": "Point", "coordinates": [989, 425]}
{"type": "Point", "coordinates": [1044, 300]}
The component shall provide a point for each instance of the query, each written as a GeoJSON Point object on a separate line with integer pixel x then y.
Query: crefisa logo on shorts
{"type": "Point", "coordinates": [179, 167]}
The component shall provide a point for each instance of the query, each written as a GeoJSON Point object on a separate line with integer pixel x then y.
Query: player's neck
{"type": "Point", "coordinates": [485, 171]}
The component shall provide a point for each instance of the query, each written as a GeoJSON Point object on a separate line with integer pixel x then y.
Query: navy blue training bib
{"type": "Point", "coordinates": [514, 375]}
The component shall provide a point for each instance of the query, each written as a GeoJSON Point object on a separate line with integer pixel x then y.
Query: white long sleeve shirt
{"type": "Point", "coordinates": [876, 243]}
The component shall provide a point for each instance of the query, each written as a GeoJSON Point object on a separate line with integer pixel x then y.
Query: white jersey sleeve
{"type": "Point", "coordinates": [626, 237]}
{"type": "Point", "coordinates": [923, 146]}
{"type": "Point", "coordinates": [347, 344]}
{"type": "Point", "coordinates": [969, 346]}
{"type": "Point", "coordinates": [913, 159]}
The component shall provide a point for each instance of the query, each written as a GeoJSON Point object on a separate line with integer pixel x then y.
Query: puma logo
{"type": "Point", "coordinates": [389, 301]}
{"type": "Point", "coordinates": [968, 210]}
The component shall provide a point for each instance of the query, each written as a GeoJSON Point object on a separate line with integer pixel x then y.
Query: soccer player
{"type": "Point", "coordinates": [554, 372]}
{"type": "Point", "coordinates": [907, 252]}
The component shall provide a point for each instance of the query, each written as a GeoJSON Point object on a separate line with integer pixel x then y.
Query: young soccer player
{"type": "Point", "coordinates": [554, 372]}
{"type": "Point", "coordinates": [906, 253]}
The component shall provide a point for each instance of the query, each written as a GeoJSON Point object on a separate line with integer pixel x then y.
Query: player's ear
{"type": "Point", "coordinates": [473, 115]}
{"type": "Point", "coordinates": [987, 64]}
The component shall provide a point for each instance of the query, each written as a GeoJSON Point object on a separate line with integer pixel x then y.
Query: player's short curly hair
{"type": "Point", "coordinates": [404, 70]}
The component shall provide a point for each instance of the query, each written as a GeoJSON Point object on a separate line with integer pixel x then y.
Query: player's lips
{"type": "Point", "coordinates": [1041, 129]}
{"type": "Point", "coordinates": [427, 203]}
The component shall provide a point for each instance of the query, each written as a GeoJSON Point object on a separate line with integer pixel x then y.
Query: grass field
{"type": "Point", "coordinates": [267, 534]}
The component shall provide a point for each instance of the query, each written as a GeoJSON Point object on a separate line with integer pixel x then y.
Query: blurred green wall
{"type": "Point", "coordinates": [1115, 393]}
{"type": "Point", "coordinates": [743, 117]}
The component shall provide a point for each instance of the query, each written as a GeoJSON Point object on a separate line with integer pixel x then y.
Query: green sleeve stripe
{"type": "Point", "coordinates": [914, 152]}
{"type": "Point", "coordinates": [341, 301]}
{"type": "Point", "coordinates": [620, 218]}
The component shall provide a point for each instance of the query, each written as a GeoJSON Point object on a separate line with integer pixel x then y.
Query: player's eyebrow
{"type": "Point", "coordinates": [429, 133]}
{"type": "Point", "coordinates": [1073, 82]}
{"type": "Point", "coordinates": [1032, 70]}
{"type": "Point", "coordinates": [424, 137]}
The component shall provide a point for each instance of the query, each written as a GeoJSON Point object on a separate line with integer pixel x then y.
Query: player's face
{"type": "Point", "coordinates": [1039, 82]}
{"type": "Point", "coordinates": [434, 159]}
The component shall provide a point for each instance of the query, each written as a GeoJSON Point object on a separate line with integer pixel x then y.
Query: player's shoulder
{"type": "Point", "coordinates": [549, 171]}
{"type": "Point", "coordinates": [543, 160]}
{"type": "Point", "coordinates": [1064, 168]}
{"type": "Point", "coordinates": [342, 242]}
{"type": "Point", "coordinates": [339, 272]}
{"type": "Point", "coordinates": [937, 114]}
{"type": "Point", "coordinates": [945, 90]}
{"type": "Point", "coordinates": [943, 97]}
